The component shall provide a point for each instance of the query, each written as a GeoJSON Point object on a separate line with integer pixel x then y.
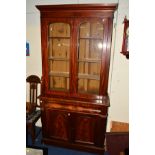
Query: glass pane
{"type": "Point", "coordinates": [85, 30]}
{"type": "Point", "coordinates": [59, 48]}
{"type": "Point", "coordinates": [89, 48]}
{"type": "Point", "coordinates": [59, 30]}
{"type": "Point", "coordinates": [59, 83]}
{"type": "Point", "coordinates": [88, 86]}
{"type": "Point", "coordinates": [91, 29]}
{"type": "Point", "coordinates": [89, 68]}
{"type": "Point", "coordinates": [59, 53]}
{"type": "Point", "coordinates": [58, 66]}
{"type": "Point", "coordinates": [89, 56]}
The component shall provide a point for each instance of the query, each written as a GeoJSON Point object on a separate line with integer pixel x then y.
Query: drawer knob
{"type": "Point", "coordinates": [69, 114]}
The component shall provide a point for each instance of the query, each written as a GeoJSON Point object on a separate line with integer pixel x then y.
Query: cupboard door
{"type": "Point", "coordinates": [59, 38]}
{"type": "Point", "coordinates": [90, 41]}
{"type": "Point", "coordinates": [89, 129]}
{"type": "Point", "coordinates": [58, 124]}
{"type": "Point", "coordinates": [84, 128]}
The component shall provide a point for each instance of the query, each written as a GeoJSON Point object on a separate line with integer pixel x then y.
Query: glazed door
{"type": "Point", "coordinates": [91, 38]}
{"type": "Point", "coordinates": [58, 124]}
{"type": "Point", "coordinates": [57, 55]}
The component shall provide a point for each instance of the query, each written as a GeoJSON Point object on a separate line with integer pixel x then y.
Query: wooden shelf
{"type": "Point", "coordinates": [88, 92]}
{"type": "Point", "coordinates": [91, 38]}
{"type": "Point", "coordinates": [90, 60]}
{"type": "Point", "coordinates": [88, 76]}
{"type": "Point", "coordinates": [59, 89]}
{"type": "Point", "coordinates": [58, 59]}
{"type": "Point", "coordinates": [59, 37]}
{"type": "Point", "coordinates": [62, 74]}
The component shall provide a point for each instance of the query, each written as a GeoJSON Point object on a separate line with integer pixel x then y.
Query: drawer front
{"type": "Point", "coordinates": [58, 124]}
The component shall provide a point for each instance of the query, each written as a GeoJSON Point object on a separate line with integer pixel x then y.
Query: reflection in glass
{"type": "Point", "coordinates": [90, 48]}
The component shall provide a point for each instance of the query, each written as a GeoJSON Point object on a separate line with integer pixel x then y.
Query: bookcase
{"type": "Point", "coordinates": [76, 44]}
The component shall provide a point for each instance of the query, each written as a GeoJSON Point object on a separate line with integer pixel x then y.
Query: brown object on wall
{"type": "Point", "coordinates": [125, 44]}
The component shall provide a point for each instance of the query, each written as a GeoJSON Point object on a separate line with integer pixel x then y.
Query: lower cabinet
{"type": "Point", "coordinates": [76, 128]}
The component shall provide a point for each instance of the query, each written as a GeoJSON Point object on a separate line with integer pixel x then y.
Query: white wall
{"type": "Point", "coordinates": [118, 77]}
{"type": "Point", "coordinates": [119, 70]}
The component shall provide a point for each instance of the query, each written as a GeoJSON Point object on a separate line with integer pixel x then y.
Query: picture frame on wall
{"type": "Point", "coordinates": [27, 49]}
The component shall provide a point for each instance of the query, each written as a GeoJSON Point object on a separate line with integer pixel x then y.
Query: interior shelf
{"type": "Point", "coordinates": [95, 38]}
{"type": "Point", "coordinates": [88, 76]}
{"type": "Point", "coordinates": [89, 60]}
{"type": "Point", "coordinates": [63, 74]}
{"type": "Point", "coordinates": [58, 59]}
{"type": "Point", "coordinates": [59, 37]}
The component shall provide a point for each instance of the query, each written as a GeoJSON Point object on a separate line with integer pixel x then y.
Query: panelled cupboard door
{"type": "Point", "coordinates": [58, 124]}
{"type": "Point", "coordinates": [84, 129]}
{"type": "Point", "coordinates": [88, 129]}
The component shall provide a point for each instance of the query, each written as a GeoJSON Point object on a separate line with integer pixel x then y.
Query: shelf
{"type": "Point", "coordinates": [80, 60]}
{"type": "Point", "coordinates": [88, 76]}
{"type": "Point", "coordinates": [89, 92]}
{"type": "Point", "coordinates": [59, 37]}
{"type": "Point", "coordinates": [60, 89]}
{"type": "Point", "coordinates": [91, 38]}
{"type": "Point", "coordinates": [58, 59]}
{"type": "Point", "coordinates": [62, 74]}
{"type": "Point", "coordinates": [90, 60]}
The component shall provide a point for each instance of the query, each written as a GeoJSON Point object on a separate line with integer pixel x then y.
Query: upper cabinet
{"type": "Point", "coordinates": [76, 41]}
